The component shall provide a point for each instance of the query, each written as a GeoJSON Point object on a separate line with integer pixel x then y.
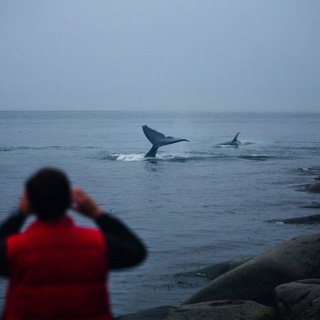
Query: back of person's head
{"type": "Point", "coordinates": [49, 193]}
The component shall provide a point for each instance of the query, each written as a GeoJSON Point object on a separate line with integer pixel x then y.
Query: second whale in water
{"type": "Point", "coordinates": [234, 142]}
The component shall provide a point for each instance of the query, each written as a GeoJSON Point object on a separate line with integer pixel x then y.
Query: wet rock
{"type": "Point", "coordinates": [299, 299]}
{"type": "Point", "coordinates": [224, 310]}
{"type": "Point", "coordinates": [158, 313]}
{"type": "Point", "coordinates": [212, 310]}
{"type": "Point", "coordinates": [257, 278]}
{"type": "Point", "coordinates": [215, 270]}
{"type": "Point", "coordinates": [313, 219]}
{"type": "Point", "coordinates": [314, 187]}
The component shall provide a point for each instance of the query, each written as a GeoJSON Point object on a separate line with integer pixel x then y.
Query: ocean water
{"type": "Point", "coordinates": [195, 204]}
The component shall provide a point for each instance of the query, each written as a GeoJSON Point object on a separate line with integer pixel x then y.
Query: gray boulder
{"type": "Point", "coordinates": [224, 310]}
{"type": "Point", "coordinates": [213, 310]}
{"type": "Point", "coordinates": [257, 278]}
{"type": "Point", "coordinates": [313, 219]}
{"type": "Point", "coordinates": [159, 313]}
{"type": "Point", "coordinates": [299, 299]}
{"type": "Point", "coordinates": [314, 187]}
{"type": "Point", "coordinates": [213, 271]}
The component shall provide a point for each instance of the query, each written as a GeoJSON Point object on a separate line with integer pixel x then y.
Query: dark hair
{"type": "Point", "coordinates": [49, 193]}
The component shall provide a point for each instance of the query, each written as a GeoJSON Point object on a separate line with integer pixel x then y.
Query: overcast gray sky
{"type": "Point", "coordinates": [193, 55]}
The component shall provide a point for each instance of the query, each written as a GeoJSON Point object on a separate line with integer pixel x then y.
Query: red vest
{"type": "Point", "coordinates": [57, 270]}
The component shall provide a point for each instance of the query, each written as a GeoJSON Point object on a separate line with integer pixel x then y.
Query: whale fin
{"type": "Point", "coordinates": [234, 142]}
{"type": "Point", "coordinates": [235, 139]}
{"type": "Point", "coordinates": [158, 139]}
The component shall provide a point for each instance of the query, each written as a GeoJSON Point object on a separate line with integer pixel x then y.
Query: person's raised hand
{"type": "Point", "coordinates": [83, 204]}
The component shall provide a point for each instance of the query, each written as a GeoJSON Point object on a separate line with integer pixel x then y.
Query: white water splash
{"type": "Point", "coordinates": [130, 157]}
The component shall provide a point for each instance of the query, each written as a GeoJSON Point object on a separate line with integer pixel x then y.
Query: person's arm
{"type": "Point", "coordinates": [8, 227]}
{"type": "Point", "coordinates": [12, 224]}
{"type": "Point", "coordinates": [125, 248]}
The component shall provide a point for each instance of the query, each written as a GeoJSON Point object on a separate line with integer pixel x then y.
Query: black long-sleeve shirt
{"type": "Point", "coordinates": [125, 248]}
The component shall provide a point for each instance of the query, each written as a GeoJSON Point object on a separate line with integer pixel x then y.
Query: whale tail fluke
{"type": "Point", "coordinates": [158, 139]}
{"type": "Point", "coordinates": [152, 135]}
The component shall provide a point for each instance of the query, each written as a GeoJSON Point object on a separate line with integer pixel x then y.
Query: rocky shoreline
{"type": "Point", "coordinates": [282, 283]}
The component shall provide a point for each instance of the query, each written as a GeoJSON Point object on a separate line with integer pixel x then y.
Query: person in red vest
{"type": "Point", "coordinates": [56, 269]}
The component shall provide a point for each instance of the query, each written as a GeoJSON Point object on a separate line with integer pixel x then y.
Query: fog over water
{"type": "Point", "coordinates": [180, 55]}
